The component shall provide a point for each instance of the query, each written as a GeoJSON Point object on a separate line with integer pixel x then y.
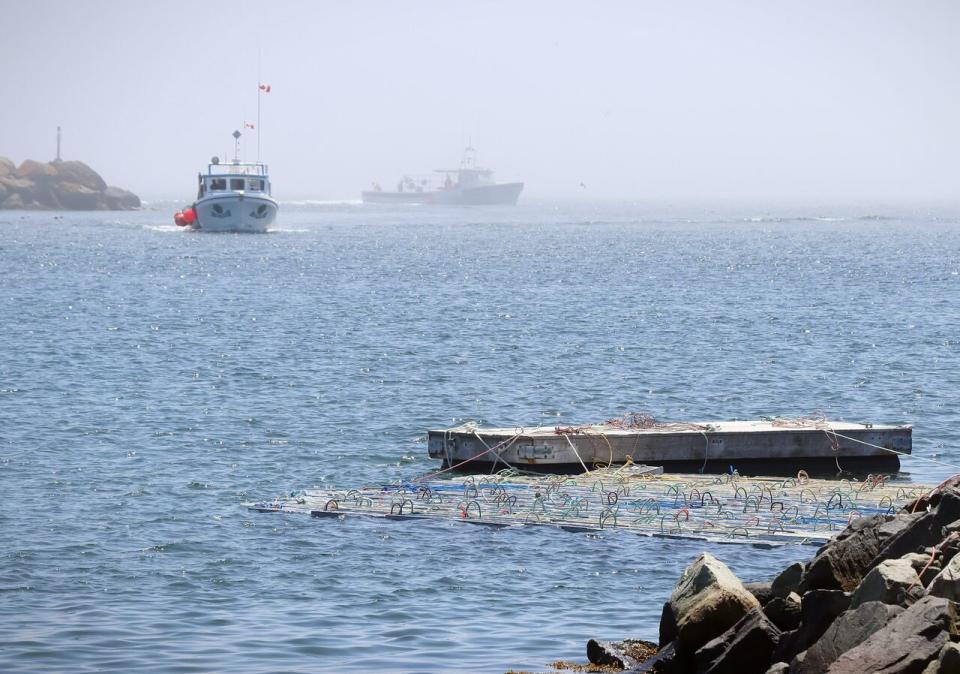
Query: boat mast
{"type": "Point", "coordinates": [259, 92]}
{"type": "Point", "coordinates": [236, 147]}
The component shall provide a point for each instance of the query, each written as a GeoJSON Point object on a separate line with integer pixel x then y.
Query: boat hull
{"type": "Point", "coordinates": [377, 197]}
{"type": "Point", "coordinates": [483, 195]}
{"type": "Point", "coordinates": [235, 213]}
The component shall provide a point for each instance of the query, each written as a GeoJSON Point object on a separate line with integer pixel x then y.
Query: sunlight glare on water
{"type": "Point", "coordinates": [152, 380]}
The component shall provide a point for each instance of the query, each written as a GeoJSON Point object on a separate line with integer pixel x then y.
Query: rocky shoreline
{"type": "Point", "coordinates": [59, 185]}
{"type": "Point", "coordinates": [881, 596]}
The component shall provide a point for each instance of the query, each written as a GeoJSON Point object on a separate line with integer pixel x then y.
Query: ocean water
{"type": "Point", "coordinates": [152, 380]}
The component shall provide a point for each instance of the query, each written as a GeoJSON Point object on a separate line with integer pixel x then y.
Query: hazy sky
{"type": "Point", "coordinates": [646, 100]}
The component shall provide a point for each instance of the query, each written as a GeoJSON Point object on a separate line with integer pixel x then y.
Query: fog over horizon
{"type": "Point", "coordinates": [743, 100]}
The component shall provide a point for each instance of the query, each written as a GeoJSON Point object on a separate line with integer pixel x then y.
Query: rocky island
{"type": "Point", "coordinates": [59, 185]}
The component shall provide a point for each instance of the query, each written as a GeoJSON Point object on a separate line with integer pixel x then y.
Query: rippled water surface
{"type": "Point", "coordinates": [152, 380]}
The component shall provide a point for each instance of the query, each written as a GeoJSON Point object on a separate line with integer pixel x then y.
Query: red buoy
{"type": "Point", "coordinates": [185, 217]}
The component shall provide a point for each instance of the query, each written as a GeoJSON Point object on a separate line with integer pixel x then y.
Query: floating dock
{"type": "Point", "coordinates": [631, 499]}
{"type": "Point", "coordinates": [773, 446]}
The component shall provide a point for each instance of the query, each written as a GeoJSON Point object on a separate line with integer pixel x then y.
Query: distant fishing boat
{"type": "Point", "coordinates": [467, 185]}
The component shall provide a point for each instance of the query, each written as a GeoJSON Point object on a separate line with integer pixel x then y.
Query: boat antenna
{"type": "Point", "coordinates": [58, 143]}
{"type": "Point", "coordinates": [259, 91]}
{"type": "Point", "coordinates": [236, 147]}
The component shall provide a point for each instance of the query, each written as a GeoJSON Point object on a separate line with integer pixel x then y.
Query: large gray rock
{"type": "Point", "coordinates": [947, 582]}
{"type": "Point", "coordinates": [46, 197]}
{"type": "Point", "coordinates": [926, 530]}
{"type": "Point", "coordinates": [27, 189]}
{"type": "Point", "coordinates": [620, 654]}
{"type": "Point", "coordinates": [79, 173]}
{"type": "Point", "coordinates": [788, 581]}
{"type": "Point", "coordinates": [76, 197]}
{"type": "Point", "coordinates": [7, 167]}
{"type": "Point", "coordinates": [745, 648]}
{"type": "Point", "coordinates": [36, 171]}
{"type": "Point", "coordinates": [668, 626]}
{"type": "Point", "coordinates": [906, 644]}
{"type": "Point", "coordinates": [707, 601]}
{"type": "Point", "coordinates": [923, 565]}
{"type": "Point", "coordinates": [818, 608]}
{"type": "Point", "coordinates": [668, 660]}
{"type": "Point", "coordinates": [948, 662]}
{"type": "Point", "coordinates": [120, 200]}
{"type": "Point", "coordinates": [842, 563]}
{"type": "Point", "coordinates": [14, 201]}
{"type": "Point", "coordinates": [889, 583]}
{"type": "Point", "coordinates": [848, 631]}
{"type": "Point", "coordinates": [784, 612]}
{"type": "Point", "coordinates": [931, 500]}
{"type": "Point", "coordinates": [760, 590]}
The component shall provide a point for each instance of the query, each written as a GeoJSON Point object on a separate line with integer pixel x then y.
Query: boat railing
{"type": "Point", "coordinates": [238, 168]}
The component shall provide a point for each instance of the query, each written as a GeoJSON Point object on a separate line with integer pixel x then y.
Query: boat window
{"type": "Point", "coordinates": [236, 183]}
{"type": "Point", "coordinates": [218, 184]}
{"type": "Point", "coordinates": [255, 185]}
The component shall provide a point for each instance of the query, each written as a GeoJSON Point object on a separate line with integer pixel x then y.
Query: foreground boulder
{"type": "Point", "coordinates": [784, 612]}
{"type": "Point", "coordinates": [890, 582]}
{"type": "Point", "coordinates": [842, 563]}
{"type": "Point", "coordinates": [943, 509]}
{"type": "Point", "coordinates": [925, 564]}
{"type": "Point", "coordinates": [745, 648]}
{"type": "Point", "coordinates": [620, 654]}
{"type": "Point", "coordinates": [57, 185]}
{"type": "Point", "coordinates": [707, 601]}
{"type": "Point", "coordinates": [907, 643]}
{"type": "Point", "coordinates": [947, 582]}
{"type": "Point", "coordinates": [947, 663]}
{"type": "Point", "coordinates": [788, 581]}
{"type": "Point", "coordinates": [848, 631]}
{"type": "Point", "coordinates": [818, 608]}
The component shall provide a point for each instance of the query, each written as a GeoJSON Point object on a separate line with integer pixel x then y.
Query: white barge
{"type": "Point", "coordinates": [774, 446]}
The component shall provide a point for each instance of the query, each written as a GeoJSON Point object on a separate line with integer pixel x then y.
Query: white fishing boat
{"type": "Point", "coordinates": [468, 185]}
{"type": "Point", "coordinates": [232, 197]}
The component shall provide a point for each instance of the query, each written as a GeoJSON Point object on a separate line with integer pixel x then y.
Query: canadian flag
{"type": "Point", "coordinates": [248, 125]}
{"type": "Point", "coordinates": [265, 88]}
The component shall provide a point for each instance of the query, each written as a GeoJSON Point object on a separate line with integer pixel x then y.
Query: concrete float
{"type": "Point", "coordinates": [775, 446]}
